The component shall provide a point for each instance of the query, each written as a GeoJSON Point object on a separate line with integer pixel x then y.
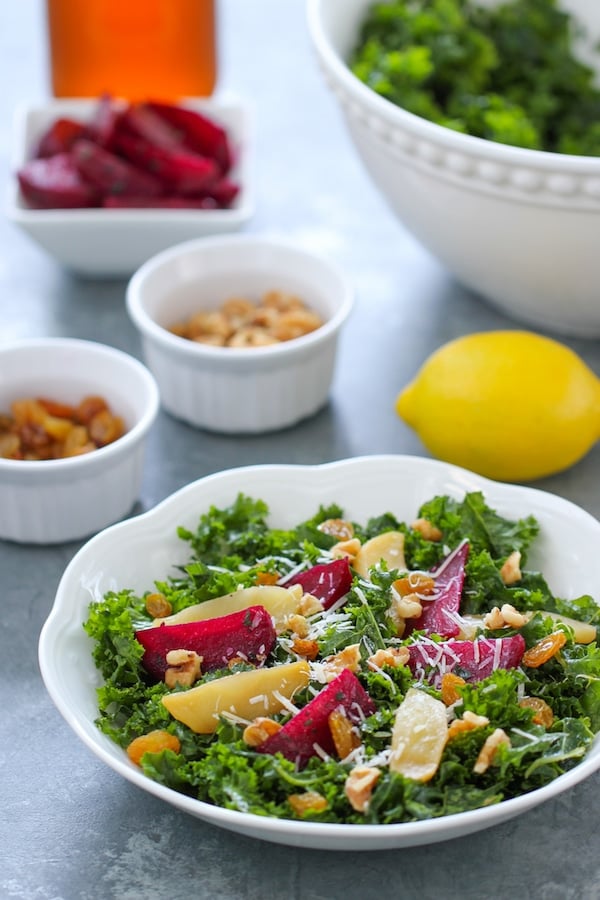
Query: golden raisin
{"type": "Point", "coordinates": [267, 577]}
{"type": "Point", "coordinates": [158, 606]}
{"type": "Point", "coordinates": [306, 648]}
{"type": "Point", "coordinates": [310, 801]}
{"type": "Point", "coordinates": [448, 688]}
{"type": "Point", "coordinates": [544, 649]}
{"type": "Point", "coordinates": [344, 736]}
{"type": "Point", "coordinates": [257, 732]}
{"type": "Point", "coordinates": [153, 742]}
{"type": "Point", "coordinates": [414, 583]}
{"type": "Point", "coordinates": [542, 712]}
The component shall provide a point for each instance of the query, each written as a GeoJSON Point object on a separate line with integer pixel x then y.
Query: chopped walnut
{"type": "Point", "coordinates": [359, 786]}
{"type": "Point", "coordinates": [507, 615]}
{"type": "Point", "coordinates": [183, 668]}
{"type": "Point", "coordinates": [297, 624]}
{"type": "Point", "coordinates": [348, 658]}
{"type": "Point", "coordinates": [469, 721]}
{"type": "Point", "coordinates": [259, 730]}
{"type": "Point", "coordinates": [408, 607]}
{"type": "Point", "coordinates": [510, 572]}
{"type": "Point", "coordinates": [309, 605]}
{"type": "Point", "coordinates": [339, 528]}
{"type": "Point", "coordinates": [489, 749]}
{"type": "Point", "coordinates": [403, 608]}
{"type": "Point", "coordinates": [390, 656]}
{"type": "Point", "coordinates": [236, 661]}
{"type": "Point", "coordinates": [494, 619]}
{"type": "Point", "coordinates": [241, 323]}
{"type": "Point", "coordinates": [427, 529]}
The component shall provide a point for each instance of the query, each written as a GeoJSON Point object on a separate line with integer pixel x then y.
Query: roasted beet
{"type": "Point", "coordinates": [439, 612]}
{"type": "Point", "coordinates": [59, 137]}
{"type": "Point", "coordinates": [308, 732]}
{"type": "Point", "coordinates": [55, 183]}
{"type": "Point", "coordinates": [198, 132]}
{"type": "Point", "coordinates": [248, 634]}
{"type": "Point", "coordinates": [327, 582]}
{"type": "Point", "coordinates": [180, 171]}
{"type": "Point", "coordinates": [111, 174]}
{"type": "Point", "coordinates": [472, 660]}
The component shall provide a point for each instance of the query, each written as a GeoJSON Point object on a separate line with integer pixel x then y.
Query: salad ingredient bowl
{"type": "Point", "coordinates": [238, 389]}
{"type": "Point", "coordinates": [49, 501]}
{"type": "Point", "coordinates": [112, 242]}
{"type": "Point", "coordinates": [514, 225]}
{"type": "Point", "coordinates": [135, 554]}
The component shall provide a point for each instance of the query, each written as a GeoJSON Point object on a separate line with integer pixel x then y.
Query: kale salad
{"type": "Point", "coordinates": [509, 72]}
{"type": "Point", "coordinates": [351, 672]}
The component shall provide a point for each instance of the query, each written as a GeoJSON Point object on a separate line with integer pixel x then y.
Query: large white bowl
{"type": "Point", "coordinates": [110, 243]}
{"type": "Point", "coordinates": [229, 389]}
{"type": "Point", "coordinates": [56, 500]}
{"type": "Point", "coordinates": [135, 553]}
{"type": "Point", "coordinates": [517, 226]}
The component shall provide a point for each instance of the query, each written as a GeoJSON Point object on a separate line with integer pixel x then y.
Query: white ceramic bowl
{"type": "Point", "coordinates": [516, 226]}
{"type": "Point", "coordinates": [51, 501]}
{"type": "Point", "coordinates": [137, 552]}
{"type": "Point", "coordinates": [238, 390]}
{"type": "Point", "coordinates": [114, 242]}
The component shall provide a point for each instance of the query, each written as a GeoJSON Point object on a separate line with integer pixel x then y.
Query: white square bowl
{"type": "Point", "coordinates": [112, 243]}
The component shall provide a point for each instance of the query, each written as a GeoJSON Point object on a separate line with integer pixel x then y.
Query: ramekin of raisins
{"type": "Point", "coordinates": [74, 416]}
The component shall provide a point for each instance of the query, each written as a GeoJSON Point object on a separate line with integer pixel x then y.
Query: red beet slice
{"type": "Point", "coordinates": [437, 616]}
{"type": "Point", "coordinates": [111, 174]}
{"type": "Point", "coordinates": [180, 171]}
{"type": "Point", "coordinates": [105, 122]}
{"type": "Point", "coordinates": [327, 582]}
{"type": "Point", "coordinates": [472, 660]}
{"type": "Point", "coordinates": [55, 183]}
{"type": "Point", "coordinates": [198, 132]}
{"type": "Point", "coordinates": [249, 634]}
{"type": "Point", "coordinates": [308, 733]}
{"type": "Point", "coordinates": [59, 137]}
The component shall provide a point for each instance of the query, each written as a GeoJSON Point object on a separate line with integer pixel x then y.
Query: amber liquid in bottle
{"type": "Point", "coordinates": [135, 49]}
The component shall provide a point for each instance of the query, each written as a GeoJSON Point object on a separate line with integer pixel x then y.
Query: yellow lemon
{"type": "Point", "coordinates": [510, 405]}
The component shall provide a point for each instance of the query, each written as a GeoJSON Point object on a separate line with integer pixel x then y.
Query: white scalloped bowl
{"type": "Point", "coordinates": [56, 500]}
{"type": "Point", "coordinates": [519, 227]}
{"type": "Point", "coordinates": [136, 553]}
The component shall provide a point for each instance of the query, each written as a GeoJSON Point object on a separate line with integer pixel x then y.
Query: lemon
{"type": "Point", "coordinates": [510, 405]}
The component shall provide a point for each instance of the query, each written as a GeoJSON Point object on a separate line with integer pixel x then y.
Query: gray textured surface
{"type": "Point", "coordinates": [71, 829]}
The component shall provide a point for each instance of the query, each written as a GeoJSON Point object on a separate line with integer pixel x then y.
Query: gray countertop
{"type": "Point", "coordinates": [72, 828]}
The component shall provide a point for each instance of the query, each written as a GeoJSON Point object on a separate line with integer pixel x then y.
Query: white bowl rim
{"type": "Point", "coordinates": [439, 134]}
{"type": "Point", "coordinates": [130, 437]}
{"type": "Point", "coordinates": [288, 831]}
{"type": "Point", "coordinates": [195, 350]}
